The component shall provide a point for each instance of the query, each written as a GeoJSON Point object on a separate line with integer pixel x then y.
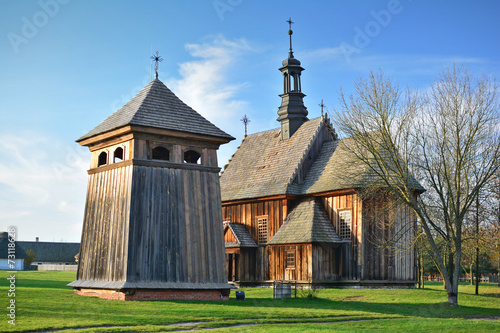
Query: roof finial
{"type": "Point", "coordinates": [322, 105]}
{"type": "Point", "coordinates": [245, 121]}
{"type": "Point", "coordinates": [156, 59]}
{"type": "Point", "coordinates": [290, 32]}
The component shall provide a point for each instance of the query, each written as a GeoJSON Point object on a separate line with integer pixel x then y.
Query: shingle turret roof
{"type": "Point", "coordinates": [157, 106]}
{"type": "Point", "coordinates": [306, 223]}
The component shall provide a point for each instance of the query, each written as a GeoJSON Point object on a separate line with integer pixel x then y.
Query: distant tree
{"type": "Point", "coordinates": [30, 257]}
{"type": "Point", "coordinates": [448, 138]}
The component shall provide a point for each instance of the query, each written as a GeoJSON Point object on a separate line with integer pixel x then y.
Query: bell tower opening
{"type": "Point", "coordinates": [103, 159]}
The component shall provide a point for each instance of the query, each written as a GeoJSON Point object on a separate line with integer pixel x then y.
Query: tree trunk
{"type": "Point", "coordinates": [422, 272]}
{"type": "Point", "coordinates": [477, 271]}
{"type": "Point", "coordinates": [477, 245]}
{"type": "Point", "coordinates": [453, 298]}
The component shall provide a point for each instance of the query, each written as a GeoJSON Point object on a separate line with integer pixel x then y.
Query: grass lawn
{"type": "Point", "coordinates": [43, 302]}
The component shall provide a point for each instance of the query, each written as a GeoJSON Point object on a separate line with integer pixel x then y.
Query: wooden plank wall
{"type": "Point", "coordinates": [247, 264]}
{"type": "Point", "coordinates": [326, 262]}
{"type": "Point", "coordinates": [246, 214]}
{"type": "Point", "coordinates": [104, 241]}
{"type": "Point", "coordinates": [229, 237]}
{"type": "Point", "coordinates": [405, 256]}
{"type": "Point", "coordinates": [348, 264]}
{"type": "Point", "coordinates": [175, 226]}
{"type": "Point", "coordinates": [389, 234]}
{"type": "Point", "coordinates": [303, 263]}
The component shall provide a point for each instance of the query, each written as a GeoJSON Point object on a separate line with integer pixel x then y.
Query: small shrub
{"type": "Point", "coordinates": [310, 293]}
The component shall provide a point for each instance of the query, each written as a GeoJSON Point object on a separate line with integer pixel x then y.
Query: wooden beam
{"type": "Point", "coordinates": [151, 130]}
{"type": "Point", "coordinates": [275, 197]}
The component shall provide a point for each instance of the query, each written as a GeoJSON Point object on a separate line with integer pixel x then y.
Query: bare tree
{"type": "Point", "coordinates": [447, 138]}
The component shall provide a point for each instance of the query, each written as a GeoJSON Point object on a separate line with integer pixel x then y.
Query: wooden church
{"type": "Point", "coordinates": [152, 226]}
{"type": "Point", "coordinates": [293, 209]}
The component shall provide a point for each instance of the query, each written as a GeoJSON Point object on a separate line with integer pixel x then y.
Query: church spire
{"type": "Point", "coordinates": [290, 33]}
{"type": "Point", "coordinates": [157, 59]}
{"type": "Point", "coordinates": [292, 112]}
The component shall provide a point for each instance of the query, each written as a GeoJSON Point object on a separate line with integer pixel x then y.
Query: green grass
{"type": "Point", "coordinates": [44, 302]}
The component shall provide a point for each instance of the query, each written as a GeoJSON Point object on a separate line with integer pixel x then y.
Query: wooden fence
{"type": "Point", "coordinates": [492, 278]}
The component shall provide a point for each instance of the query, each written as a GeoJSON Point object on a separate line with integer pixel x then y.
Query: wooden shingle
{"type": "Point", "coordinates": [157, 106]}
{"type": "Point", "coordinates": [243, 238]}
{"type": "Point", "coordinates": [306, 223]}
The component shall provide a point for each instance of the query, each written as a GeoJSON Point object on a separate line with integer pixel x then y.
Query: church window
{"type": "Point", "coordinates": [262, 227]}
{"type": "Point", "coordinates": [192, 156]}
{"type": "Point", "coordinates": [161, 153]}
{"type": "Point", "coordinates": [118, 155]}
{"type": "Point", "coordinates": [290, 259]}
{"type": "Point", "coordinates": [345, 224]}
{"type": "Point", "coordinates": [103, 159]}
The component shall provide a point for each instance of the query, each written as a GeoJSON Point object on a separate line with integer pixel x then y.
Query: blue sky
{"type": "Point", "coordinates": [68, 64]}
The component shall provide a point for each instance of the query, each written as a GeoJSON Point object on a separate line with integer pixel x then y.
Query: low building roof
{"type": "Point", "coordinates": [243, 238]}
{"type": "Point", "coordinates": [4, 248]}
{"type": "Point", "coordinates": [157, 106]}
{"type": "Point", "coordinates": [306, 223]}
{"type": "Point", "coordinates": [52, 251]}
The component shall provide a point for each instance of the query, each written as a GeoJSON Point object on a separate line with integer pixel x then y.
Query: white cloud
{"type": "Point", "coordinates": [43, 180]}
{"type": "Point", "coordinates": [209, 84]}
{"type": "Point", "coordinates": [212, 82]}
{"type": "Point", "coordinates": [42, 184]}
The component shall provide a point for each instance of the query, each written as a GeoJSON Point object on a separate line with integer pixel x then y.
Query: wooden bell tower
{"type": "Point", "coordinates": [153, 223]}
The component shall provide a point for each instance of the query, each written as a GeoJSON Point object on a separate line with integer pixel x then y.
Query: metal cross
{"type": "Point", "coordinates": [156, 59]}
{"type": "Point", "coordinates": [245, 121]}
{"type": "Point", "coordinates": [290, 32]}
{"type": "Point", "coordinates": [322, 105]}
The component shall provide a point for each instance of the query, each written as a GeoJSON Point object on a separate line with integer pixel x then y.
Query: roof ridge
{"type": "Point", "coordinates": [306, 151]}
{"type": "Point", "coordinates": [234, 233]}
{"type": "Point", "coordinates": [159, 107]}
{"type": "Point", "coordinates": [146, 95]}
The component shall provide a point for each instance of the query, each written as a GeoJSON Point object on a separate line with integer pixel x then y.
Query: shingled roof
{"type": "Point", "coordinates": [243, 238]}
{"type": "Point", "coordinates": [52, 251]}
{"type": "Point", "coordinates": [306, 223]}
{"type": "Point", "coordinates": [338, 168]}
{"type": "Point", "coordinates": [157, 106]}
{"type": "Point", "coordinates": [265, 165]}
{"type": "Point", "coordinates": [4, 247]}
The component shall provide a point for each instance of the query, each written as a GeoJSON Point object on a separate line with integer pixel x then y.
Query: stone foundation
{"type": "Point", "coordinates": [155, 294]}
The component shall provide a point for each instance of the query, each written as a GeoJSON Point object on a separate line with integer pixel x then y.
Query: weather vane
{"type": "Point", "coordinates": [322, 105]}
{"type": "Point", "coordinates": [245, 121]}
{"type": "Point", "coordinates": [290, 32]}
{"type": "Point", "coordinates": [156, 59]}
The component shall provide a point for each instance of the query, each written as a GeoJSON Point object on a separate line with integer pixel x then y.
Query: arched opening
{"type": "Point", "coordinates": [103, 159]}
{"type": "Point", "coordinates": [161, 153]}
{"type": "Point", "coordinates": [192, 156]}
{"type": "Point", "coordinates": [118, 155]}
{"type": "Point", "coordinates": [293, 83]}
